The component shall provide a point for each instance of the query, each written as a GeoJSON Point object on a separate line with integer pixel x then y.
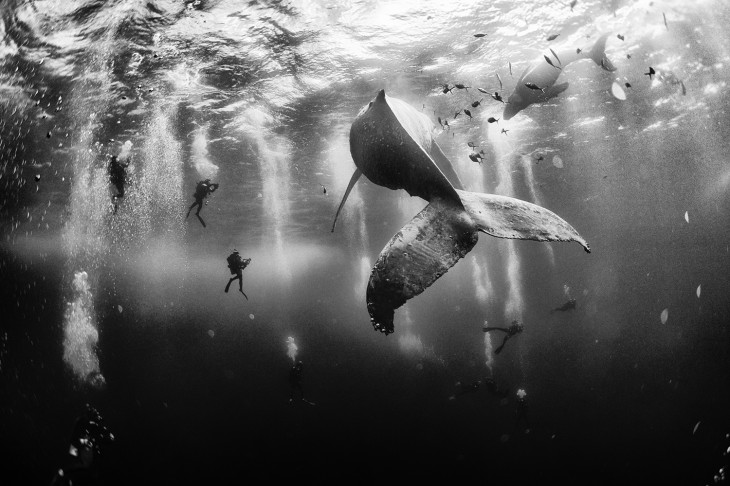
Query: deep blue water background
{"type": "Point", "coordinates": [260, 96]}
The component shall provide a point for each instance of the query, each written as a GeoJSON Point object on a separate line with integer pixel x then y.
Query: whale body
{"type": "Point", "coordinates": [544, 76]}
{"type": "Point", "coordinates": [391, 144]}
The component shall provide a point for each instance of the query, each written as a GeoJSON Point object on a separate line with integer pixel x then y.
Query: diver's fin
{"type": "Point", "coordinates": [553, 91]}
{"type": "Point", "coordinates": [443, 163]}
{"type": "Point", "coordinates": [507, 217]}
{"type": "Point", "coordinates": [353, 180]}
{"type": "Point", "coordinates": [598, 54]}
{"type": "Point", "coordinates": [423, 250]}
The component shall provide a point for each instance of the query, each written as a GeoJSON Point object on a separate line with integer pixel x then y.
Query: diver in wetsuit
{"type": "Point", "coordinates": [514, 329]}
{"type": "Point", "coordinates": [570, 305]}
{"type": "Point", "coordinates": [202, 190]}
{"type": "Point", "coordinates": [521, 410]}
{"type": "Point", "coordinates": [236, 265]}
{"type": "Point", "coordinates": [88, 437]}
{"type": "Point", "coordinates": [118, 178]}
{"type": "Point", "coordinates": [295, 380]}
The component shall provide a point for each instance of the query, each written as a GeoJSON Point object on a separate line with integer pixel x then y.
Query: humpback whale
{"type": "Point", "coordinates": [545, 75]}
{"type": "Point", "coordinates": [391, 144]}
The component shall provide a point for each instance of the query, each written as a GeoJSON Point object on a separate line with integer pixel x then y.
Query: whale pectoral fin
{"type": "Point", "coordinates": [353, 180]}
{"type": "Point", "coordinates": [417, 255]}
{"type": "Point", "coordinates": [553, 91]}
{"type": "Point", "coordinates": [507, 217]}
{"type": "Point", "coordinates": [443, 163]}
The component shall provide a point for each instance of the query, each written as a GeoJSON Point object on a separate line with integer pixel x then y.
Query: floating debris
{"type": "Point", "coordinates": [686, 216]}
{"type": "Point", "coordinates": [557, 162]}
{"type": "Point", "coordinates": [699, 291]}
{"type": "Point", "coordinates": [250, 316]}
{"type": "Point", "coordinates": [664, 316]}
{"type": "Point", "coordinates": [211, 333]}
{"type": "Point", "coordinates": [617, 91]}
{"type": "Point", "coordinates": [37, 177]}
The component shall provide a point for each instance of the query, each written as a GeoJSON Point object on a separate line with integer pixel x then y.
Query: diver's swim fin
{"type": "Point", "coordinates": [355, 176]}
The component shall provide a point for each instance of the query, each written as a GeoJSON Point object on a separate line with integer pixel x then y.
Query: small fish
{"type": "Point", "coordinates": [665, 20]}
{"type": "Point", "coordinates": [440, 122]}
{"type": "Point", "coordinates": [650, 73]}
{"type": "Point", "coordinates": [467, 112]}
{"type": "Point", "coordinates": [461, 86]}
{"type": "Point", "coordinates": [539, 158]}
{"type": "Point", "coordinates": [324, 189]}
{"type": "Point", "coordinates": [446, 89]}
{"type": "Point", "coordinates": [491, 119]}
{"type": "Point", "coordinates": [476, 103]}
{"type": "Point", "coordinates": [628, 85]}
{"type": "Point", "coordinates": [684, 90]}
{"type": "Point", "coordinates": [483, 91]}
{"type": "Point", "coordinates": [510, 69]}
{"type": "Point", "coordinates": [504, 130]}
{"type": "Point", "coordinates": [48, 135]}
{"type": "Point", "coordinates": [37, 177]}
{"type": "Point", "coordinates": [471, 144]}
{"type": "Point", "coordinates": [534, 86]}
{"type": "Point", "coordinates": [556, 56]}
{"type": "Point", "coordinates": [500, 80]}
{"type": "Point", "coordinates": [475, 158]}
{"type": "Point", "coordinates": [547, 59]}
{"type": "Point", "coordinates": [620, 36]}
{"type": "Point", "coordinates": [446, 124]}
{"type": "Point", "coordinates": [457, 114]}
{"type": "Point", "coordinates": [572, 4]}
{"type": "Point", "coordinates": [628, 56]}
{"type": "Point", "coordinates": [497, 97]}
{"type": "Point", "coordinates": [578, 51]}
{"type": "Point", "coordinates": [479, 35]}
{"type": "Point", "coordinates": [552, 37]}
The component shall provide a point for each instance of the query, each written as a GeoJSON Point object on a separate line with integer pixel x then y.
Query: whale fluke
{"type": "Point", "coordinates": [391, 145]}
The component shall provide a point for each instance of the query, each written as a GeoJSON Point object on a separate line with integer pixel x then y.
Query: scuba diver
{"type": "Point", "coordinates": [521, 410]}
{"type": "Point", "coordinates": [88, 437]}
{"type": "Point", "coordinates": [514, 329]}
{"type": "Point", "coordinates": [236, 264]}
{"type": "Point", "coordinates": [118, 178]}
{"type": "Point", "coordinates": [202, 190]}
{"type": "Point", "coordinates": [295, 382]}
{"type": "Point", "coordinates": [570, 305]}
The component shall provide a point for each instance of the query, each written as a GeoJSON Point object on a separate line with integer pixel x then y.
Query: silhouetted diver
{"type": "Point", "coordinates": [510, 331]}
{"type": "Point", "coordinates": [236, 265]}
{"type": "Point", "coordinates": [201, 192]}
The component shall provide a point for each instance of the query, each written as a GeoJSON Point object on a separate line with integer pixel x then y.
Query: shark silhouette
{"type": "Point", "coordinates": [391, 143]}
{"type": "Point", "coordinates": [544, 76]}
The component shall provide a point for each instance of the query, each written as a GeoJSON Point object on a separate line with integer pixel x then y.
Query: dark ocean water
{"type": "Point", "coordinates": [630, 387]}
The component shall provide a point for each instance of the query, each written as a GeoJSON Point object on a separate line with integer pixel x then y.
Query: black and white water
{"type": "Point", "coordinates": [127, 312]}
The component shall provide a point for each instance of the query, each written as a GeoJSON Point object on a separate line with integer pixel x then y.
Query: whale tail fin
{"type": "Point", "coordinates": [443, 233]}
{"type": "Point", "coordinates": [598, 54]}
